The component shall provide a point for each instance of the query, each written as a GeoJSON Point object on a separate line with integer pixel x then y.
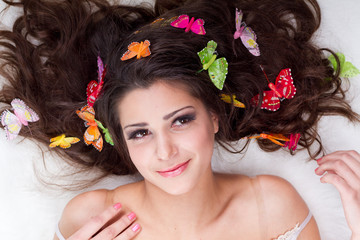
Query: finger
{"type": "Point", "coordinates": [96, 223]}
{"type": "Point", "coordinates": [130, 232]}
{"type": "Point", "coordinates": [339, 183]}
{"type": "Point", "coordinates": [340, 165]}
{"type": "Point", "coordinates": [352, 158]}
{"type": "Point", "coordinates": [116, 228]}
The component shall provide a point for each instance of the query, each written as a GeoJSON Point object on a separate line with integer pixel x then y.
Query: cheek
{"type": "Point", "coordinates": [201, 140]}
{"type": "Point", "coordinates": [139, 155]}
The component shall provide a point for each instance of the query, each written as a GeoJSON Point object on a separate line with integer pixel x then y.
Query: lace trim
{"type": "Point", "coordinates": [289, 234]}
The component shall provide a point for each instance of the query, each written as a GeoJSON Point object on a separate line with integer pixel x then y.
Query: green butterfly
{"type": "Point", "coordinates": [107, 135]}
{"type": "Point", "coordinates": [218, 68]}
{"type": "Point", "coordinates": [347, 69]}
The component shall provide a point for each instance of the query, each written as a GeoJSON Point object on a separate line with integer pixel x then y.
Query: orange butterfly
{"type": "Point", "coordinates": [275, 138]}
{"type": "Point", "coordinates": [137, 49]}
{"type": "Point", "coordinates": [92, 134]}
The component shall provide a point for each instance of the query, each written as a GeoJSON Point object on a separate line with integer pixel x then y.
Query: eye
{"type": "Point", "coordinates": [139, 134]}
{"type": "Point", "coordinates": [183, 120]}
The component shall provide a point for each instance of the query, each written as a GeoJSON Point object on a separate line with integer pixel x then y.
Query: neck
{"type": "Point", "coordinates": [186, 212]}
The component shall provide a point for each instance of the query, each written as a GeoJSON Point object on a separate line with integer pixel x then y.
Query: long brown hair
{"type": "Point", "coordinates": [50, 56]}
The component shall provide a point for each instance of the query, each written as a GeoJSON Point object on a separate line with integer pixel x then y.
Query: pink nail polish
{"type": "Point", "coordinates": [117, 206]}
{"type": "Point", "coordinates": [131, 216]}
{"type": "Point", "coordinates": [135, 228]}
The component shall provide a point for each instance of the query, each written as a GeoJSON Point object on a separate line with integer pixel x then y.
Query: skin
{"type": "Point", "coordinates": [164, 126]}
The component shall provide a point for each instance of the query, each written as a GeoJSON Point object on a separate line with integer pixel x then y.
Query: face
{"type": "Point", "coordinates": [169, 135]}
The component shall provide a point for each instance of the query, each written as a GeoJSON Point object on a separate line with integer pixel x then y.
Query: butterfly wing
{"type": "Point", "coordinates": [232, 100]}
{"type": "Point", "coordinates": [207, 53]}
{"type": "Point", "coordinates": [349, 70]}
{"type": "Point", "coordinates": [67, 141]}
{"type": "Point", "coordinates": [23, 112]}
{"type": "Point", "coordinates": [285, 85]}
{"type": "Point", "coordinates": [248, 38]}
{"type": "Point", "coordinates": [181, 22]}
{"type": "Point", "coordinates": [132, 51]}
{"type": "Point", "coordinates": [238, 19]}
{"type": "Point", "coordinates": [198, 27]}
{"type": "Point", "coordinates": [87, 113]}
{"type": "Point", "coordinates": [270, 101]}
{"type": "Point", "coordinates": [92, 136]}
{"type": "Point", "coordinates": [218, 71]}
{"type": "Point", "coordinates": [145, 51]}
{"type": "Point", "coordinates": [11, 123]}
{"type": "Point", "coordinates": [92, 92]}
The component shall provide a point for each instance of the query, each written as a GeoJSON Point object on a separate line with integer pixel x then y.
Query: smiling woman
{"type": "Point", "coordinates": [176, 79]}
{"type": "Point", "coordinates": [170, 134]}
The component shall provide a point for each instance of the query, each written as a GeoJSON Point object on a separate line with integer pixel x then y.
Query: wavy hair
{"type": "Point", "coordinates": [49, 57]}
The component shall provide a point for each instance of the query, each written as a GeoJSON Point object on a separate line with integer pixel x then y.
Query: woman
{"type": "Point", "coordinates": [164, 114]}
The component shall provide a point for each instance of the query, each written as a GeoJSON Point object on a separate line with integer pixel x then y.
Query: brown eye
{"type": "Point", "coordinates": [183, 120]}
{"type": "Point", "coordinates": [139, 134]}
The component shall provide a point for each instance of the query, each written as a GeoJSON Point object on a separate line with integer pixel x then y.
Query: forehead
{"type": "Point", "coordinates": [159, 99]}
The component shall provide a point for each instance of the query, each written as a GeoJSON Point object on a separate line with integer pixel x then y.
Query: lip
{"type": "Point", "coordinates": [174, 171]}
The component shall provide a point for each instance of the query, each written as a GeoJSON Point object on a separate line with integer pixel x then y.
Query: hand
{"type": "Point", "coordinates": [121, 229]}
{"type": "Point", "coordinates": [342, 169]}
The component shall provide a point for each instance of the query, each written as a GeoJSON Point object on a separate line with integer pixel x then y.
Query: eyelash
{"type": "Point", "coordinates": [184, 120]}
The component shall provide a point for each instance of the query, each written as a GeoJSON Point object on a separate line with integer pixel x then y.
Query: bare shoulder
{"type": "Point", "coordinates": [284, 207]}
{"type": "Point", "coordinates": [82, 208]}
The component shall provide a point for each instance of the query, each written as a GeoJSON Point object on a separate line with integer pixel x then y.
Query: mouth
{"type": "Point", "coordinates": [174, 171]}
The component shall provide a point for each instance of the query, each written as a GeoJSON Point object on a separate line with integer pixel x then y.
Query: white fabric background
{"type": "Point", "coordinates": [30, 210]}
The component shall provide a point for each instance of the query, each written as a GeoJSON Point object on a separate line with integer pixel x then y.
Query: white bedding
{"type": "Point", "coordinates": [30, 210]}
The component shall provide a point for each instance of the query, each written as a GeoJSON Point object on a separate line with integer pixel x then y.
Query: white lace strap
{"type": "Point", "coordinates": [294, 233]}
{"type": "Point", "coordinates": [303, 225]}
{"type": "Point", "coordinates": [58, 233]}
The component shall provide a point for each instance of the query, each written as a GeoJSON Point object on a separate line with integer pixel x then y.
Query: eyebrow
{"type": "Point", "coordinates": [166, 117]}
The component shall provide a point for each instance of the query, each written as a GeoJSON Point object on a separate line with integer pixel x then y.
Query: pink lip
{"type": "Point", "coordinates": [175, 171]}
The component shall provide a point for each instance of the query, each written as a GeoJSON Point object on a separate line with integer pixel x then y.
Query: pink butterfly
{"type": "Point", "coordinates": [13, 122]}
{"type": "Point", "coordinates": [93, 89]}
{"type": "Point", "coordinates": [196, 26]}
{"type": "Point", "coordinates": [292, 143]}
{"type": "Point", "coordinates": [246, 34]}
{"type": "Point", "coordinates": [284, 88]}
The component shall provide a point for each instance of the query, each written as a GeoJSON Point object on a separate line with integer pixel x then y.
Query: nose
{"type": "Point", "coordinates": [166, 148]}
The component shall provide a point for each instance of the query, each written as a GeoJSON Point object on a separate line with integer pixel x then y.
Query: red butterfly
{"type": "Point", "coordinates": [284, 88]}
{"type": "Point", "coordinates": [93, 88]}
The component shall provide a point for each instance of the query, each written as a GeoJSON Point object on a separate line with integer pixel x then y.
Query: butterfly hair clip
{"type": "Point", "coordinates": [294, 139]}
{"type": "Point", "coordinates": [63, 141]}
{"type": "Point", "coordinates": [92, 135]}
{"type": "Point", "coordinates": [184, 21]}
{"type": "Point", "coordinates": [217, 68]}
{"type": "Point", "coordinates": [246, 34]}
{"type": "Point", "coordinates": [232, 100]}
{"type": "Point", "coordinates": [290, 142]}
{"type": "Point", "coordinates": [283, 88]}
{"type": "Point", "coordinates": [275, 138]}
{"type": "Point", "coordinates": [138, 50]}
{"type": "Point", "coordinates": [94, 87]}
{"type": "Point", "coordinates": [13, 122]}
{"type": "Point", "coordinates": [347, 69]}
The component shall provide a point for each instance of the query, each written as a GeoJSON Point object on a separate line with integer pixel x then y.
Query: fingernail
{"type": "Point", "coordinates": [131, 216]}
{"type": "Point", "coordinates": [117, 206]}
{"type": "Point", "coordinates": [135, 228]}
{"type": "Point", "coordinates": [316, 170]}
{"type": "Point", "coordinates": [318, 159]}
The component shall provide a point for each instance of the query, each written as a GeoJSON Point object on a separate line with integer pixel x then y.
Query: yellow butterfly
{"type": "Point", "coordinates": [63, 141]}
{"type": "Point", "coordinates": [232, 100]}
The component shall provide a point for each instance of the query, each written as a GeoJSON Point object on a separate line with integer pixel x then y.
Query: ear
{"type": "Point", "coordinates": [215, 121]}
